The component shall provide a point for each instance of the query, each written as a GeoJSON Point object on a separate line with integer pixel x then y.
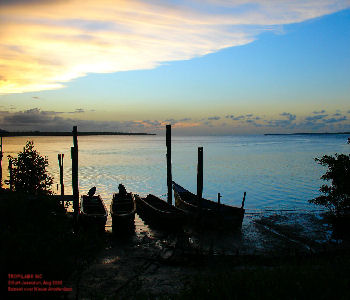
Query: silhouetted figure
{"type": "Point", "coordinates": [122, 190]}
{"type": "Point", "coordinates": [92, 191]}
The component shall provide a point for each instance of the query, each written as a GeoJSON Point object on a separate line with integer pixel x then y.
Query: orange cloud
{"type": "Point", "coordinates": [44, 44]}
{"type": "Point", "coordinates": [186, 125]}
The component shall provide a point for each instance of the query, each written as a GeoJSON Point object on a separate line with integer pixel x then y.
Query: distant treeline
{"type": "Point", "coordinates": [308, 133]}
{"type": "Point", "coordinates": [43, 133]}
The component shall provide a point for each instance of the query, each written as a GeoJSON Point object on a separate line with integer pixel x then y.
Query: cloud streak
{"type": "Point", "coordinates": [39, 120]}
{"type": "Point", "coordinates": [36, 119]}
{"type": "Point", "coordinates": [291, 123]}
{"type": "Point", "coordinates": [44, 44]}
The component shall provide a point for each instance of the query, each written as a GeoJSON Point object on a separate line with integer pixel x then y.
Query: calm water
{"type": "Point", "coordinates": [277, 172]}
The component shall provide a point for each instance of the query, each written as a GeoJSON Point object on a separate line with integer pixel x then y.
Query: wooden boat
{"type": "Point", "coordinates": [123, 208]}
{"type": "Point", "coordinates": [93, 212]}
{"type": "Point", "coordinates": [159, 213]}
{"type": "Point", "coordinates": [208, 213]}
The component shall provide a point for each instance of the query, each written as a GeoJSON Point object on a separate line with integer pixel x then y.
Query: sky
{"type": "Point", "coordinates": [208, 67]}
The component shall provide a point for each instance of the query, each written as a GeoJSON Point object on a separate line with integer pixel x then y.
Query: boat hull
{"type": "Point", "coordinates": [123, 209]}
{"type": "Point", "coordinates": [208, 213]}
{"type": "Point", "coordinates": [158, 213]}
{"type": "Point", "coordinates": [93, 213]}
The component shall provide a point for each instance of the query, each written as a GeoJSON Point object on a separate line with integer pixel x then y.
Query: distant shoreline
{"type": "Point", "coordinates": [309, 133]}
{"type": "Point", "coordinates": [39, 133]}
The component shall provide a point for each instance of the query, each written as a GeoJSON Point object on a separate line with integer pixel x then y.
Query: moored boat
{"type": "Point", "coordinates": [159, 213]}
{"type": "Point", "coordinates": [123, 208]}
{"type": "Point", "coordinates": [93, 213]}
{"type": "Point", "coordinates": [206, 212]}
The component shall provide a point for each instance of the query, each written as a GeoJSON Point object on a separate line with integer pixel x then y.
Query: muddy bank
{"type": "Point", "coordinates": [154, 262]}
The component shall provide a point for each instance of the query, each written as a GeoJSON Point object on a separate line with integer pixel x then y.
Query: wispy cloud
{"type": "Point", "coordinates": [289, 116]}
{"type": "Point", "coordinates": [77, 111]}
{"type": "Point", "coordinates": [232, 117]}
{"type": "Point", "coordinates": [290, 123]}
{"type": "Point", "coordinates": [314, 118]}
{"type": "Point", "coordinates": [44, 44]}
{"type": "Point", "coordinates": [335, 120]}
{"type": "Point", "coordinates": [319, 112]}
{"type": "Point", "coordinates": [216, 118]}
{"type": "Point", "coordinates": [41, 120]}
{"type": "Point", "coordinates": [320, 122]}
{"type": "Point", "coordinates": [36, 119]}
{"type": "Point", "coordinates": [185, 119]}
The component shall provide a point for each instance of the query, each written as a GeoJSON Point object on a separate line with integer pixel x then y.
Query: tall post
{"type": "Point", "coordinates": [74, 154]}
{"type": "Point", "coordinates": [11, 175]}
{"type": "Point", "coordinates": [219, 197]}
{"type": "Point", "coordinates": [243, 200]}
{"type": "Point", "coordinates": [60, 163]}
{"type": "Point", "coordinates": [1, 155]}
{"type": "Point", "coordinates": [200, 176]}
{"type": "Point", "coordinates": [168, 159]}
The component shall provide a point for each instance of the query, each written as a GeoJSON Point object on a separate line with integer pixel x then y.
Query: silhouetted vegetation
{"type": "Point", "coordinates": [337, 195]}
{"type": "Point", "coordinates": [36, 237]}
{"type": "Point", "coordinates": [29, 172]}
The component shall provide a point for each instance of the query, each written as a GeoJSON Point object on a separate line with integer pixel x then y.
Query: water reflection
{"type": "Point", "coordinates": [276, 171]}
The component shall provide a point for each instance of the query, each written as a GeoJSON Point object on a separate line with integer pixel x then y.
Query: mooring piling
{"type": "Point", "coordinates": [200, 176]}
{"type": "Point", "coordinates": [243, 199]}
{"type": "Point", "coordinates": [75, 185]}
{"type": "Point", "coordinates": [168, 159]}
{"type": "Point", "coordinates": [60, 163]}
{"type": "Point", "coordinates": [1, 155]}
{"type": "Point", "coordinates": [11, 174]}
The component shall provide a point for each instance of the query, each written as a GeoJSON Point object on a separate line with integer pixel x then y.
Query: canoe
{"type": "Point", "coordinates": [159, 213]}
{"type": "Point", "coordinates": [92, 212]}
{"type": "Point", "coordinates": [208, 213]}
{"type": "Point", "coordinates": [123, 208]}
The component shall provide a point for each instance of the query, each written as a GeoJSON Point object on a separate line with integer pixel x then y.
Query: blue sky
{"type": "Point", "coordinates": [239, 68]}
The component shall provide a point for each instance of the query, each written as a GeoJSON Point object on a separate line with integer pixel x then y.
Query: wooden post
{"type": "Point", "coordinates": [200, 176]}
{"type": "Point", "coordinates": [219, 197]}
{"type": "Point", "coordinates": [75, 185]}
{"type": "Point", "coordinates": [1, 155]}
{"type": "Point", "coordinates": [168, 160]}
{"type": "Point", "coordinates": [243, 199]}
{"type": "Point", "coordinates": [11, 175]}
{"type": "Point", "coordinates": [60, 163]}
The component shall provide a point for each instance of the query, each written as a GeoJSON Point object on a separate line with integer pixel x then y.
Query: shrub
{"type": "Point", "coordinates": [336, 196]}
{"type": "Point", "coordinates": [29, 172]}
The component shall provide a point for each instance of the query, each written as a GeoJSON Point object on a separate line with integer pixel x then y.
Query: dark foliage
{"type": "Point", "coordinates": [337, 195]}
{"type": "Point", "coordinates": [29, 172]}
{"type": "Point", "coordinates": [37, 238]}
